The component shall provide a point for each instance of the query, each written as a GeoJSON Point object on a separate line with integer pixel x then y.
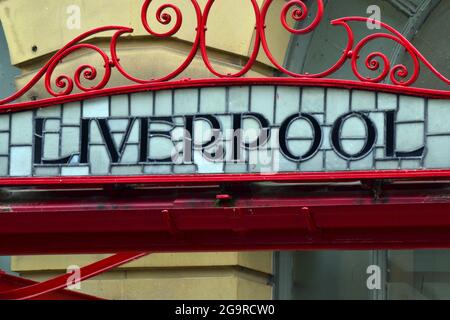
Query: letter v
{"type": "Point", "coordinates": [115, 154]}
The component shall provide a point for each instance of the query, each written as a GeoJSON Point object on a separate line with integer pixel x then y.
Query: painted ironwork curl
{"type": "Point", "coordinates": [378, 61]}
{"type": "Point", "coordinates": [299, 13]}
{"type": "Point", "coordinates": [256, 45]}
{"type": "Point", "coordinates": [170, 15]}
{"type": "Point", "coordinates": [163, 17]}
{"type": "Point", "coordinates": [65, 82]}
{"type": "Point", "coordinates": [394, 72]}
{"type": "Point", "coordinates": [89, 72]}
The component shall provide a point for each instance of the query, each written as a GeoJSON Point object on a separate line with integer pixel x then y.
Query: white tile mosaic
{"type": "Point", "coordinates": [75, 171]}
{"type": "Point", "coordinates": [238, 99]}
{"type": "Point", "coordinates": [21, 128]}
{"type": "Point", "coordinates": [313, 100]}
{"type": "Point", "coordinates": [186, 101]}
{"type": "Point", "coordinates": [4, 122]}
{"type": "Point", "coordinates": [72, 113]}
{"type": "Point", "coordinates": [213, 100]}
{"type": "Point", "coordinates": [163, 103]}
{"type": "Point", "coordinates": [141, 104]}
{"type": "Point", "coordinates": [387, 101]}
{"type": "Point", "coordinates": [287, 102]}
{"type": "Point", "coordinates": [21, 159]}
{"type": "Point", "coordinates": [438, 116]}
{"type": "Point", "coordinates": [417, 122]}
{"type": "Point", "coordinates": [119, 106]}
{"type": "Point", "coordinates": [363, 100]}
{"type": "Point", "coordinates": [4, 169]}
{"type": "Point", "coordinates": [262, 101]}
{"type": "Point", "coordinates": [96, 108]}
{"type": "Point", "coordinates": [337, 104]}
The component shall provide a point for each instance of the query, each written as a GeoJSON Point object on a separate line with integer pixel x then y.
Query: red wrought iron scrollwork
{"type": "Point", "coordinates": [164, 17]}
{"type": "Point", "coordinates": [171, 15]}
{"type": "Point", "coordinates": [64, 82]}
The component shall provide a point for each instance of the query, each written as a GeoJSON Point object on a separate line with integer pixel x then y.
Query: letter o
{"type": "Point", "coordinates": [370, 138]}
{"type": "Point", "coordinates": [317, 139]}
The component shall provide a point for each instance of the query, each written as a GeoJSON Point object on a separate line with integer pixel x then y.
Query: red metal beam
{"type": "Point", "coordinates": [277, 217]}
{"type": "Point", "coordinates": [9, 282]}
{"type": "Point", "coordinates": [35, 290]}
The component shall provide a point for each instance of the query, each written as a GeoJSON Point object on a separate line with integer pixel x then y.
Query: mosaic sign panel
{"type": "Point", "coordinates": [227, 130]}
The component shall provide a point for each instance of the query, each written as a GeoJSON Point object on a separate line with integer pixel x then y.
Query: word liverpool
{"type": "Point", "coordinates": [214, 147]}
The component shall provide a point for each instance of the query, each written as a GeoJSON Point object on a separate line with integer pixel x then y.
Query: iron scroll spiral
{"type": "Point", "coordinates": [171, 16]}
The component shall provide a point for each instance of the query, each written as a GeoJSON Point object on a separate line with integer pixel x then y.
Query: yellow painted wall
{"type": "Point", "coordinates": [166, 276]}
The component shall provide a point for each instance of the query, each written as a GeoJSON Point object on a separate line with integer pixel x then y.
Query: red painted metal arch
{"type": "Point", "coordinates": [11, 283]}
{"type": "Point", "coordinates": [215, 82]}
{"type": "Point", "coordinates": [208, 179]}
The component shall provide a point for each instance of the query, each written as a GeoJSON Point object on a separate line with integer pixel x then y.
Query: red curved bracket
{"type": "Point", "coordinates": [60, 282]}
{"type": "Point", "coordinates": [378, 63]}
{"type": "Point", "coordinates": [10, 282]}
